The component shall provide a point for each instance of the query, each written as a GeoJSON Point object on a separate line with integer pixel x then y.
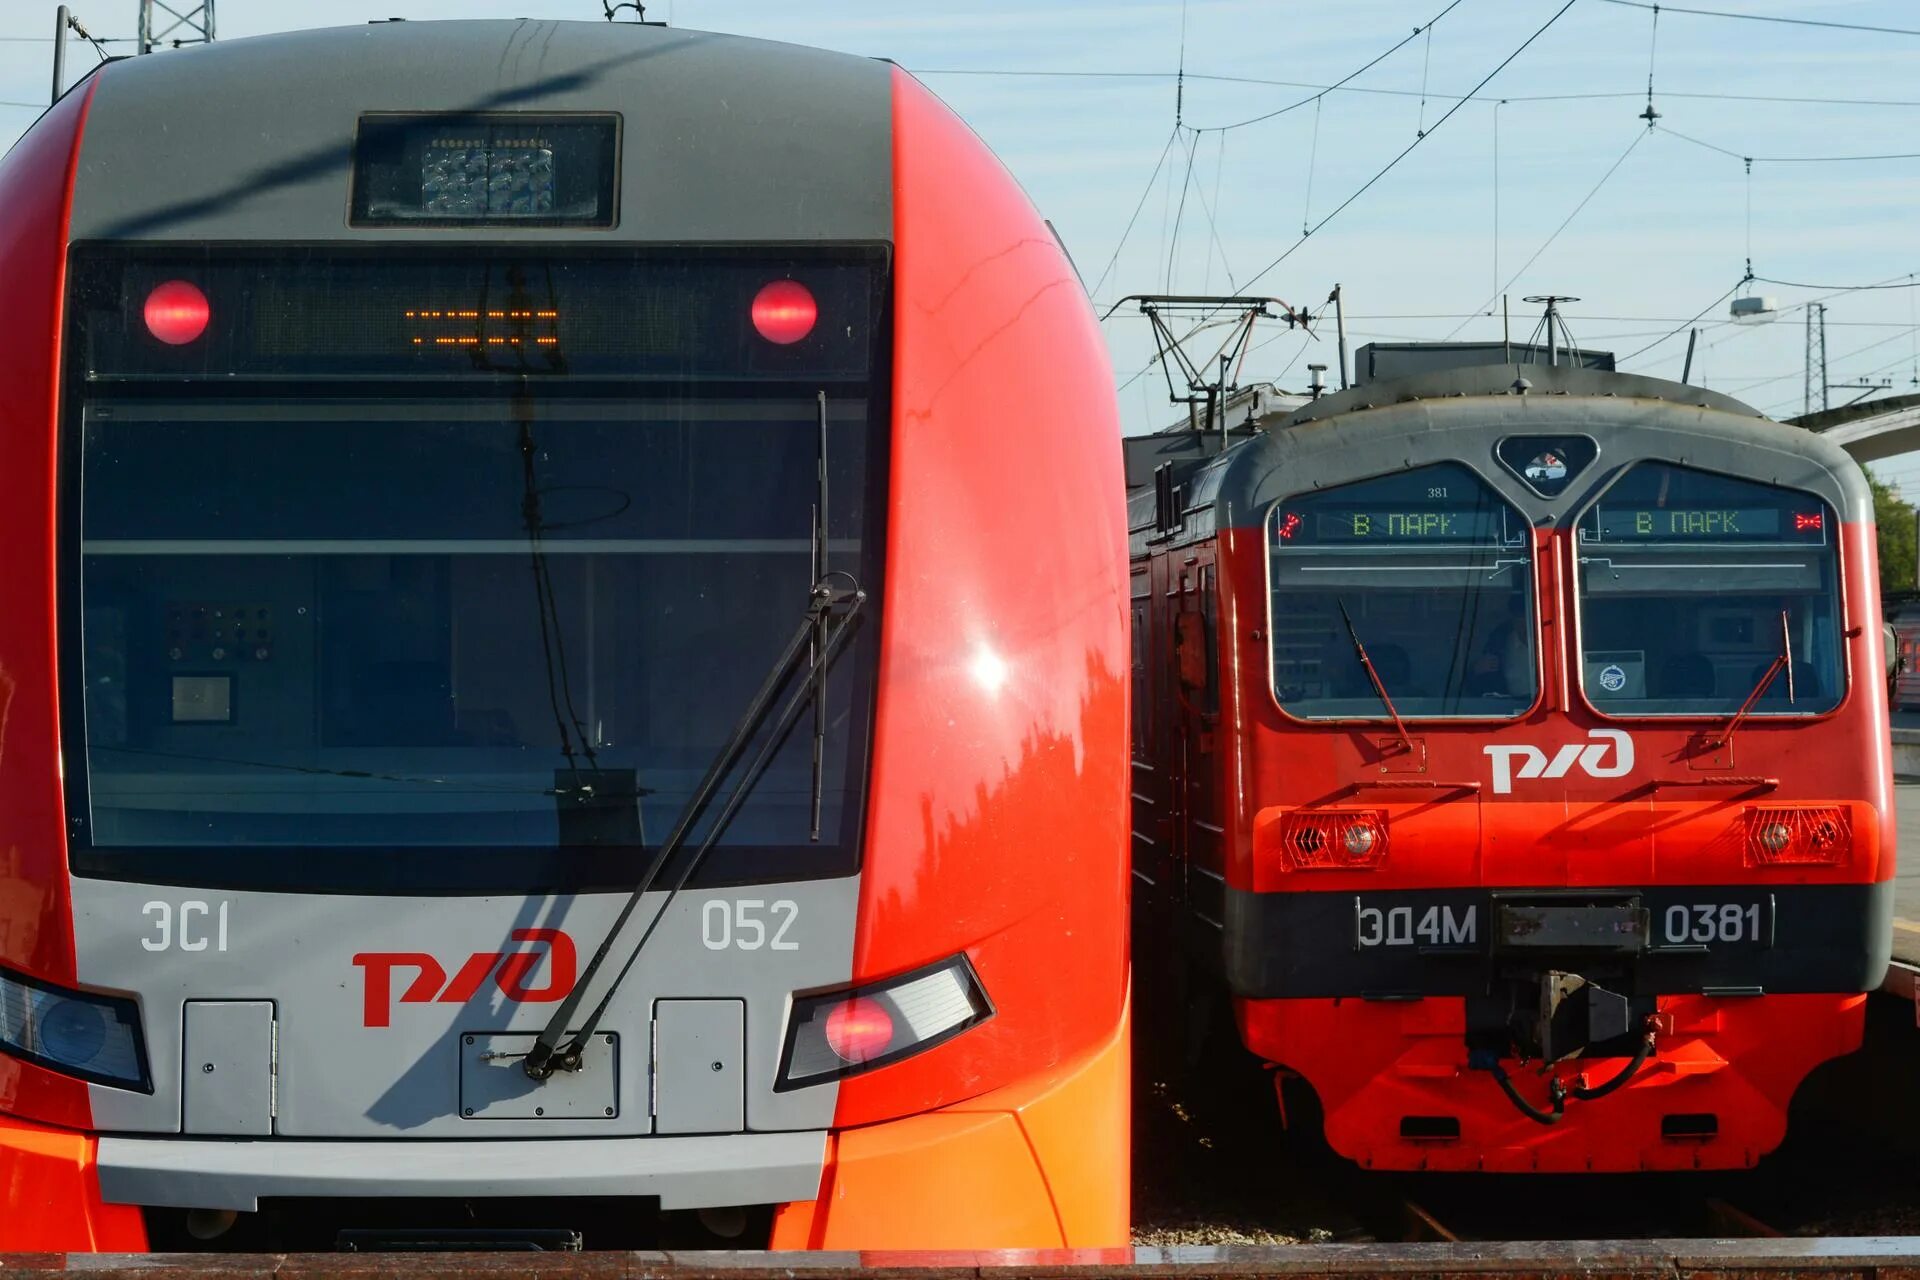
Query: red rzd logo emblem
{"type": "Point", "coordinates": [509, 970]}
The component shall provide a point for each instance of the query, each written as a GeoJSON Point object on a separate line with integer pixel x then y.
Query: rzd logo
{"type": "Point", "coordinates": [1590, 756]}
{"type": "Point", "coordinates": [509, 969]}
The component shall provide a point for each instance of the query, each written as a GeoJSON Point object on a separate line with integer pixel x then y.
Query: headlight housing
{"type": "Point", "coordinates": [76, 1033]}
{"type": "Point", "coordinates": [843, 1033]}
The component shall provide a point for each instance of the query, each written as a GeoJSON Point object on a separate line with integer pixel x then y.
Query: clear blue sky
{"type": "Point", "coordinates": [1666, 235]}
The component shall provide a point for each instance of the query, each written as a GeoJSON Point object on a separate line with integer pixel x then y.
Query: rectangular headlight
{"type": "Point", "coordinates": [843, 1033]}
{"type": "Point", "coordinates": [76, 1033]}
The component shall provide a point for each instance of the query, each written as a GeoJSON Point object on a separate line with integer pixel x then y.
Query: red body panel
{"type": "Point", "coordinates": [997, 822]}
{"type": "Point", "coordinates": [51, 1194]}
{"type": "Point", "coordinates": [1372, 1063]}
{"type": "Point", "coordinates": [36, 915]}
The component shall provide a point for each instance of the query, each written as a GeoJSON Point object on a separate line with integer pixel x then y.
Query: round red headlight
{"type": "Point", "coordinates": [177, 313]}
{"type": "Point", "coordinates": [784, 312]}
{"type": "Point", "coordinates": [859, 1030]}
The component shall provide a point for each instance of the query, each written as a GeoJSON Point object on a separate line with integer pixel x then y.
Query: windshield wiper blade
{"type": "Point", "coordinates": [1782, 661]}
{"type": "Point", "coordinates": [1379, 686]}
{"type": "Point", "coordinates": [838, 609]}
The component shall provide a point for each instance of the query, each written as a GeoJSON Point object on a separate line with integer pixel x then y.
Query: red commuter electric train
{"type": "Point", "coordinates": [422, 440]}
{"type": "Point", "coordinates": [1511, 742]}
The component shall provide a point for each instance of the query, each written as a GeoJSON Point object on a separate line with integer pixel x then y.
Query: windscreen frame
{"type": "Point", "coordinates": [1577, 656]}
{"type": "Point", "coordinates": [1494, 487]}
{"type": "Point", "coordinates": [462, 870]}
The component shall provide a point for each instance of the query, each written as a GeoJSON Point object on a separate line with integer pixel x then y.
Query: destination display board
{"type": "Point", "coordinates": [1388, 524]}
{"type": "Point", "coordinates": [1664, 504]}
{"type": "Point", "coordinates": [1445, 505]}
{"type": "Point", "coordinates": [1710, 524]}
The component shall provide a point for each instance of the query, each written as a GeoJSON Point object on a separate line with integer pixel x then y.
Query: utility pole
{"type": "Point", "coordinates": [195, 24]}
{"type": "Point", "coordinates": [1816, 357]}
{"type": "Point", "coordinates": [1817, 367]}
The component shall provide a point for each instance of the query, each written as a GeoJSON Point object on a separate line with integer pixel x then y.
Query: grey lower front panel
{"type": "Point", "coordinates": [685, 1173]}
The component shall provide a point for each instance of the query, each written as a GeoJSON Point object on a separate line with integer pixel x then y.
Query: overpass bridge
{"type": "Point", "coordinates": [1871, 430]}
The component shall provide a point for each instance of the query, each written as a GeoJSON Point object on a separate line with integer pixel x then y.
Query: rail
{"type": "Point", "coordinates": [1837, 1258]}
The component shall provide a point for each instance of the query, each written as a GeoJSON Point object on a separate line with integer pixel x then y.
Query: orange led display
{"type": "Point", "coordinates": [482, 327]}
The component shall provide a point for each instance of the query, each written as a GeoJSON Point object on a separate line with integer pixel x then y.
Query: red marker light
{"type": "Point", "coordinates": [784, 312]}
{"type": "Point", "coordinates": [1805, 522]}
{"type": "Point", "coordinates": [859, 1030]}
{"type": "Point", "coordinates": [177, 313]}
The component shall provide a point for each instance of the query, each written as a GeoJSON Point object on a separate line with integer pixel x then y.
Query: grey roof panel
{"type": "Point", "coordinates": [724, 138]}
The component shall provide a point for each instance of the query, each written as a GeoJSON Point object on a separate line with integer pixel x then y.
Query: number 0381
{"type": "Point", "coordinates": [1712, 922]}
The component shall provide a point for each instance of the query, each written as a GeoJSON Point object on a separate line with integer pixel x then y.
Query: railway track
{"type": "Point", "coordinates": [1828, 1259]}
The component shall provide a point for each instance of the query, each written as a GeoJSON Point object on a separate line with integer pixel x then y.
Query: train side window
{"type": "Point", "coordinates": [1142, 686]}
{"type": "Point", "coordinates": [1210, 637]}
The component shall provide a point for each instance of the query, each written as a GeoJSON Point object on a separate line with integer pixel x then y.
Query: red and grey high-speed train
{"type": "Point", "coordinates": [514, 725]}
{"type": "Point", "coordinates": [1511, 742]}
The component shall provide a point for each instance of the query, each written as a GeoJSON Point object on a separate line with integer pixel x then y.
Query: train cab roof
{"type": "Point", "coordinates": [1296, 446]}
{"type": "Point", "coordinates": [714, 138]}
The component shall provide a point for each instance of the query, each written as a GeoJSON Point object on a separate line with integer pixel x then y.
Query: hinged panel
{"type": "Point", "coordinates": [698, 1066]}
{"type": "Point", "coordinates": [228, 1080]}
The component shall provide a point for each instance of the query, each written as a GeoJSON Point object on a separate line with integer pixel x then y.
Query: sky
{"type": "Point", "coordinates": [1547, 181]}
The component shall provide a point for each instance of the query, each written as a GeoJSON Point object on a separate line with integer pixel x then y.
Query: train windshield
{"type": "Point", "coordinates": [1429, 571]}
{"type": "Point", "coordinates": [485, 615]}
{"type": "Point", "coordinates": [1694, 586]}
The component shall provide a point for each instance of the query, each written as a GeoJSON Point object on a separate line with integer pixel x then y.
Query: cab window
{"type": "Point", "coordinates": [1428, 573]}
{"type": "Point", "coordinates": [1699, 591]}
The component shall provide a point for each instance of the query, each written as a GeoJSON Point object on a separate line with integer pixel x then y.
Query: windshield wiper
{"type": "Point", "coordinates": [823, 630]}
{"type": "Point", "coordinates": [1782, 661]}
{"type": "Point", "coordinates": [828, 607]}
{"type": "Point", "coordinates": [1379, 687]}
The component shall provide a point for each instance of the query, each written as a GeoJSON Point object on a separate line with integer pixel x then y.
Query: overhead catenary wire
{"type": "Point", "coordinates": [1213, 226]}
{"type": "Point", "coordinates": [1180, 213]}
{"type": "Point", "coordinates": [1909, 281]}
{"type": "Point", "coordinates": [1598, 95]}
{"type": "Point", "coordinates": [1496, 199]}
{"type": "Point", "coordinates": [1343, 81]}
{"type": "Point", "coordinates": [1753, 159]}
{"type": "Point", "coordinates": [1765, 17]}
{"type": "Point", "coordinates": [1865, 395]}
{"type": "Point", "coordinates": [1138, 206]}
{"type": "Point", "coordinates": [1848, 355]}
{"type": "Point", "coordinates": [1685, 324]}
{"type": "Point", "coordinates": [1219, 171]}
{"type": "Point", "coordinates": [1408, 149]}
{"type": "Point", "coordinates": [1831, 291]}
{"type": "Point", "coordinates": [1313, 161]}
{"type": "Point", "coordinates": [1638, 136]}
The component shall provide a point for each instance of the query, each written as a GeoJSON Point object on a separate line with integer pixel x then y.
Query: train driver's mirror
{"type": "Point", "coordinates": [1890, 639]}
{"type": "Point", "coordinates": [1190, 639]}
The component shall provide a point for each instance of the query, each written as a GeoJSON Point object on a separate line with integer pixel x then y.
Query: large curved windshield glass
{"type": "Point", "coordinates": [1429, 572]}
{"type": "Point", "coordinates": [1695, 586]}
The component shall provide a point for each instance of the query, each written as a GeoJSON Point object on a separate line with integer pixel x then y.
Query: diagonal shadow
{"type": "Point", "coordinates": [337, 157]}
